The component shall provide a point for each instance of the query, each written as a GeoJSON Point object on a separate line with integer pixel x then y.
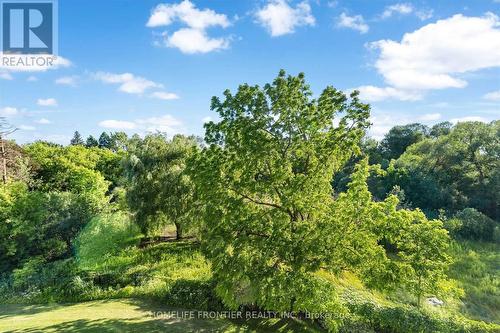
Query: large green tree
{"type": "Point", "coordinates": [160, 192]}
{"type": "Point", "coordinates": [453, 171]}
{"type": "Point", "coordinates": [401, 137]}
{"type": "Point", "coordinates": [265, 178]}
{"type": "Point", "coordinates": [272, 222]}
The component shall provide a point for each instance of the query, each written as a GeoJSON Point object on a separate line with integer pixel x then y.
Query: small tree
{"type": "Point", "coordinates": [422, 249]}
{"type": "Point", "coordinates": [105, 141]}
{"type": "Point", "coordinates": [77, 139]}
{"type": "Point", "coordinates": [91, 142]}
{"type": "Point", "coordinates": [5, 129]}
{"type": "Point", "coordinates": [118, 141]}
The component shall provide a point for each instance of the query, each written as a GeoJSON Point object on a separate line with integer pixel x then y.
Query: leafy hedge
{"type": "Point", "coordinates": [396, 319]}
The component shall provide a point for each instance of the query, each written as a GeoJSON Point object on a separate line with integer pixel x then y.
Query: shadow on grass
{"type": "Point", "coordinates": [12, 310]}
{"type": "Point", "coordinates": [129, 325]}
{"type": "Point", "coordinates": [51, 318]}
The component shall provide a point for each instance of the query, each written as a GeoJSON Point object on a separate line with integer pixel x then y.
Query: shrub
{"type": "Point", "coordinates": [104, 237]}
{"type": "Point", "coordinates": [396, 319]}
{"type": "Point", "coordinates": [472, 224]}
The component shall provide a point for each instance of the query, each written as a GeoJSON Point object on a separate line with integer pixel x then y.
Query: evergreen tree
{"type": "Point", "coordinates": [104, 141]}
{"type": "Point", "coordinates": [77, 139]}
{"type": "Point", "coordinates": [91, 142]}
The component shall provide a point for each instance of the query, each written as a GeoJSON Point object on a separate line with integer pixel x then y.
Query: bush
{"type": "Point", "coordinates": [472, 224]}
{"type": "Point", "coordinates": [396, 319]}
{"type": "Point", "coordinates": [40, 282]}
{"type": "Point", "coordinates": [103, 237]}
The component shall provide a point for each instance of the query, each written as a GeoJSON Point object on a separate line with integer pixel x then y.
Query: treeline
{"type": "Point", "coordinates": [280, 198]}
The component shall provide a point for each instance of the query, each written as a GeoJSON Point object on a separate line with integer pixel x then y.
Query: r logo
{"type": "Point", "coordinates": [28, 27]}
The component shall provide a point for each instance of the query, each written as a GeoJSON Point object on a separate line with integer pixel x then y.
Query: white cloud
{"type": "Point", "coordinates": [406, 9]}
{"type": "Point", "coordinates": [8, 111]}
{"type": "Point", "coordinates": [194, 38]}
{"type": "Point", "coordinates": [376, 94]}
{"type": "Point", "coordinates": [434, 56]}
{"type": "Point", "coordinates": [430, 117]}
{"type": "Point", "coordinates": [32, 78]}
{"type": "Point", "coordinates": [279, 18]}
{"type": "Point", "coordinates": [47, 102]}
{"type": "Point", "coordinates": [493, 96]}
{"type": "Point", "coordinates": [206, 119]}
{"type": "Point", "coordinates": [27, 127]}
{"type": "Point", "coordinates": [67, 80]}
{"type": "Point", "coordinates": [424, 14]}
{"type": "Point", "coordinates": [353, 22]}
{"type": "Point", "coordinates": [25, 62]}
{"type": "Point", "coordinates": [117, 124]}
{"type": "Point", "coordinates": [399, 8]}
{"type": "Point", "coordinates": [129, 83]}
{"type": "Point", "coordinates": [382, 122]}
{"type": "Point", "coordinates": [164, 95]}
{"type": "Point", "coordinates": [186, 12]}
{"type": "Point", "coordinates": [190, 41]}
{"type": "Point", "coordinates": [6, 76]}
{"type": "Point", "coordinates": [469, 118]}
{"type": "Point", "coordinates": [165, 123]}
{"type": "Point", "coordinates": [43, 121]}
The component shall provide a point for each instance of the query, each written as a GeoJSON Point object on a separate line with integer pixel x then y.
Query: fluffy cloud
{"type": "Point", "coordinates": [132, 84]}
{"type": "Point", "coordinates": [164, 95]}
{"type": "Point", "coordinates": [165, 123]}
{"type": "Point", "coordinates": [186, 12]}
{"type": "Point", "coordinates": [353, 22]}
{"type": "Point", "coordinates": [434, 56]}
{"type": "Point", "coordinates": [47, 102]}
{"type": "Point", "coordinates": [128, 82]}
{"type": "Point", "coordinates": [43, 121]}
{"type": "Point", "coordinates": [493, 96]}
{"type": "Point", "coordinates": [400, 8]}
{"type": "Point", "coordinates": [194, 38]}
{"type": "Point", "coordinates": [67, 80]}
{"type": "Point", "coordinates": [376, 94]}
{"type": "Point", "coordinates": [383, 122]}
{"type": "Point", "coordinates": [279, 18]}
{"type": "Point", "coordinates": [190, 41]}
{"type": "Point", "coordinates": [406, 9]}
{"type": "Point", "coordinates": [8, 111]}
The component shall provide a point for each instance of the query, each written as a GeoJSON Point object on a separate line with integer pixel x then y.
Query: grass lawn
{"type": "Point", "coordinates": [125, 315]}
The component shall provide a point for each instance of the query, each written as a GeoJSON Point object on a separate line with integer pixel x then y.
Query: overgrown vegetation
{"type": "Point", "coordinates": [285, 206]}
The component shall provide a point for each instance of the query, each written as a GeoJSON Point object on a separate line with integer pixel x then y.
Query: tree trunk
{"type": "Point", "coordinates": [178, 231]}
{"type": "Point", "coordinates": [4, 160]}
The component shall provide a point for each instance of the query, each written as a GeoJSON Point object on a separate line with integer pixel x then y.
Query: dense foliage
{"type": "Point", "coordinates": [287, 205]}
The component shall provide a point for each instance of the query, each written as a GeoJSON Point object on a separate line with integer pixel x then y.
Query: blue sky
{"type": "Point", "coordinates": [147, 65]}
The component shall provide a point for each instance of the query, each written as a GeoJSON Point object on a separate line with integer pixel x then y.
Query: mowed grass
{"type": "Point", "coordinates": [127, 315]}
